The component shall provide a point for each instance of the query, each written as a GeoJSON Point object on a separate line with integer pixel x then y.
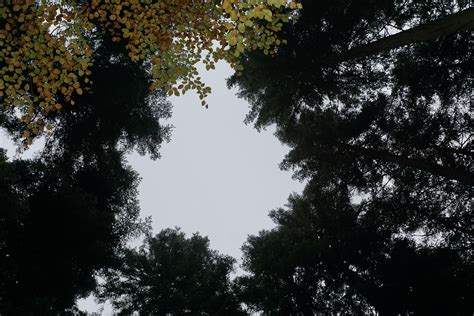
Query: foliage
{"type": "Point", "coordinates": [67, 214]}
{"type": "Point", "coordinates": [60, 225]}
{"type": "Point", "coordinates": [394, 126]}
{"type": "Point", "coordinates": [326, 256]}
{"type": "Point", "coordinates": [42, 63]}
{"type": "Point", "coordinates": [121, 110]}
{"type": "Point", "coordinates": [46, 46]}
{"type": "Point", "coordinates": [172, 274]}
{"type": "Point", "coordinates": [390, 131]}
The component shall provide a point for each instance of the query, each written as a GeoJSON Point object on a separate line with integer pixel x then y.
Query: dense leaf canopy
{"type": "Point", "coordinates": [59, 226]}
{"type": "Point", "coordinates": [172, 274]}
{"type": "Point", "coordinates": [46, 46]}
{"type": "Point", "coordinates": [372, 97]}
{"type": "Point", "coordinates": [327, 256]}
{"type": "Point", "coordinates": [384, 139]}
{"type": "Point", "coordinates": [394, 126]}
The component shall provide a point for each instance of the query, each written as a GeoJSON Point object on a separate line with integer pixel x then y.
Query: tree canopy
{"type": "Point", "coordinates": [373, 100]}
{"type": "Point", "coordinates": [172, 274]}
{"type": "Point", "coordinates": [328, 256]}
{"type": "Point", "coordinates": [68, 213]}
{"type": "Point", "coordinates": [59, 226]}
{"type": "Point", "coordinates": [392, 125]}
{"type": "Point", "coordinates": [46, 46]}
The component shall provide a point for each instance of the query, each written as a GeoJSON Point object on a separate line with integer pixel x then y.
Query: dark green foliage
{"type": "Point", "coordinates": [67, 214]}
{"type": "Point", "coordinates": [326, 255]}
{"type": "Point", "coordinates": [392, 131]}
{"type": "Point", "coordinates": [60, 226]}
{"type": "Point", "coordinates": [394, 127]}
{"type": "Point", "coordinates": [172, 274]}
{"type": "Point", "coordinates": [121, 110]}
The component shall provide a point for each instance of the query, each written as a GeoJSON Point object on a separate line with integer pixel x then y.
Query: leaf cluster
{"type": "Point", "coordinates": [172, 274]}
{"type": "Point", "coordinates": [46, 47]}
{"type": "Point", "coordinates": [384, 142]}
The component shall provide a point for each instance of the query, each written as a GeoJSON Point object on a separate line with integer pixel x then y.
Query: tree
{"type": "Point", "coordinates": [454, 23]}
{"type": "Point", "coordinates": [67, 214]}
{"type": "Point", "coordinates": [46, 46]}
{"type": "Point", "coordinates": [392, 125]}
{"type": "Point", "coordinates": [60, 226]}
{"type": "Point", "coordinates": [389, 128]}
{"type": "Point", "coordinates": [326, 256]}
{"type": "Point", "coordinates": [172, 274]}
{"type": "Point", "coordinates": [121, 111]}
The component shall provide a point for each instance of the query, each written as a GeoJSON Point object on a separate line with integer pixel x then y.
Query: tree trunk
{"type": "Point", "coordinates": [454, 23]}
{"type": "Point", "coordinates": [463, 176]}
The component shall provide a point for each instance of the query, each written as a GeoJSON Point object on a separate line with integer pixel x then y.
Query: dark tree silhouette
{"type": "Point", "coordinates": [172, 274]}
{"type": "Point", "coordinates": [382, 119]}
{"type": "Point", "coordinates": [394, 126]}
{"type": "Point", "coordinates": [325, 256]}
{"type": "Point", "coordinates": [444, 26]}
{"type": "Point", "coordinates": [60, 226]}
{"type": "Point", "coordinates": [66, 215]}
{"type": "Point", "coordinates": [120, 112]}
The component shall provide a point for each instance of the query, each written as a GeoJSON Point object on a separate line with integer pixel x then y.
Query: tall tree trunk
{"type": "Point", "coordinates": [462, 175]}
{"type": "Point", "coordinates": [454, 23]}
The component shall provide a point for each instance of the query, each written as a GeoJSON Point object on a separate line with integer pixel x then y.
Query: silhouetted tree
{"type": "Point", "coordinates": [444, 26]}
{"type": "Point", "coordinates": [67, 214]}
{"type": "Point", "coordinates": [394, 126]}
{"type": "Point", "coordinates": [172, 274]}
{"type": "Point", "coordinates": [388, 128]}
{"type": "Point", "coordinates": [59, 227]}
{"type": "Point", "coordinates": [326, 256]}
{"type": "Point", "coordinates": [120, 112]}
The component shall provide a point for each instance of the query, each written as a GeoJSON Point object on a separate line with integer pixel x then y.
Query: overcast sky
{"type": "Point", "coordinates": [217, 176]}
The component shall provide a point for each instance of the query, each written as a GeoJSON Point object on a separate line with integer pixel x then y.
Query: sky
{"type": "Point", "coordinates": [217, 176]}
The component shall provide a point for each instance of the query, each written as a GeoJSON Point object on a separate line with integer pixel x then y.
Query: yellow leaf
{"type": "Point", "coordinates": [232, 40]}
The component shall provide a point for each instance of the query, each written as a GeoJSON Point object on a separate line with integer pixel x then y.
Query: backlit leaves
{"type": "Point", "coordinates": [45, 59]}
{"type": "Point", "coordinates": [176, 35]}
{"type": "Point", "coordinates": [42, 63]}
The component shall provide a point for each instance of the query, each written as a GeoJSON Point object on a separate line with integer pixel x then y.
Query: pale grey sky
{"type": "Point", "coordinates": [217, 176]}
